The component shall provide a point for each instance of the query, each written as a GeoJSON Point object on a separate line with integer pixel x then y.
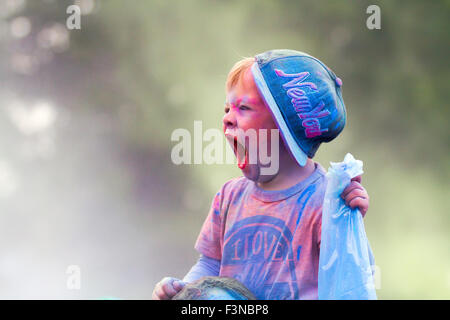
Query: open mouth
{"type": "Point", "coordinates": [239, 150]}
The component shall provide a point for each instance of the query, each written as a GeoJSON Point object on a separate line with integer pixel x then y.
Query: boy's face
{"type": "Point", "coordinates": [244, 110]}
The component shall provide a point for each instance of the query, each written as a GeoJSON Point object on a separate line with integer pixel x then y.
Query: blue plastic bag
{"type": "Point", "coordinates": [346, 260]}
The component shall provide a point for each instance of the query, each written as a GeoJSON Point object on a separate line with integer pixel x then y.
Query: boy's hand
{"type": "Point", "coordinates": [167, 288]}
{"type": "Point", "coordinates": [356, 196]}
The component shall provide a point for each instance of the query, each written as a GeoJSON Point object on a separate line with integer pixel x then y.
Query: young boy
{"type": "Point", "coordinates": [265, 229]}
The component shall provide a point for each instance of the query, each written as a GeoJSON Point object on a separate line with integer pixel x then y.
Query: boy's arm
{"type": "Point", "coordinates": [208, 243]}
{"type": "Point", "coordinates": [168, 287]}
{"type": "Point", "coordinates": [205, 266]}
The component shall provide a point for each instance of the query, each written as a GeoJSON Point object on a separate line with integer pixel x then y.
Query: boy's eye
{"type": "Point", "coordinates": [243, 107]}
{"type": "Point", "coordinates": [227, 109]}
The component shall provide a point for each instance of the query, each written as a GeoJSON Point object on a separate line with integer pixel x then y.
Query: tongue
{"type": "Point", "coordinates": [241, 155]}
{"type": "Point", "coordinates": [242, 165]}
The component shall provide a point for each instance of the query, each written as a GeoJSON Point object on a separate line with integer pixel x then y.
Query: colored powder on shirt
{"type": "Point", "coordinates": [268, 240]}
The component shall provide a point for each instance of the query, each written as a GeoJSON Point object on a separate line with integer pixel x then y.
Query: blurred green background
{"type": "Point", "coordinates": [86, 118]}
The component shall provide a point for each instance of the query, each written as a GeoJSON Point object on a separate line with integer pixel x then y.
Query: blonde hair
{"type": "Point", "coordinates": [237, 72]}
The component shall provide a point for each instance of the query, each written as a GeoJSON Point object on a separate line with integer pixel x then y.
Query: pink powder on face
{"type": "Point", "coordinates": [241, 101]}
{"type": "Point", "coordinates": [245, 93]}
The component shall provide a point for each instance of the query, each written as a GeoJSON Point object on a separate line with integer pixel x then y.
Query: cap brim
{"type": "Point", "coordinates": [286, 134]}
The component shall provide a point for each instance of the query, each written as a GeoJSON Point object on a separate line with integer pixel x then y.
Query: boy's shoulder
{"type": "Point", "coordinates": [234, 185]}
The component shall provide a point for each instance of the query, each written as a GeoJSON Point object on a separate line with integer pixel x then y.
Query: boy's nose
{"type": "Point", "coordinates": [229, 120]}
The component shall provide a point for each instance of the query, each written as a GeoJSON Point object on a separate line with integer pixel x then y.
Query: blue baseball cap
{"type": "Point", "coordinates": [305, 99]}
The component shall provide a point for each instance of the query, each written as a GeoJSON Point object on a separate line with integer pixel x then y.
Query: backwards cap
{"type": "Point", "coordinates": [305, 99]}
